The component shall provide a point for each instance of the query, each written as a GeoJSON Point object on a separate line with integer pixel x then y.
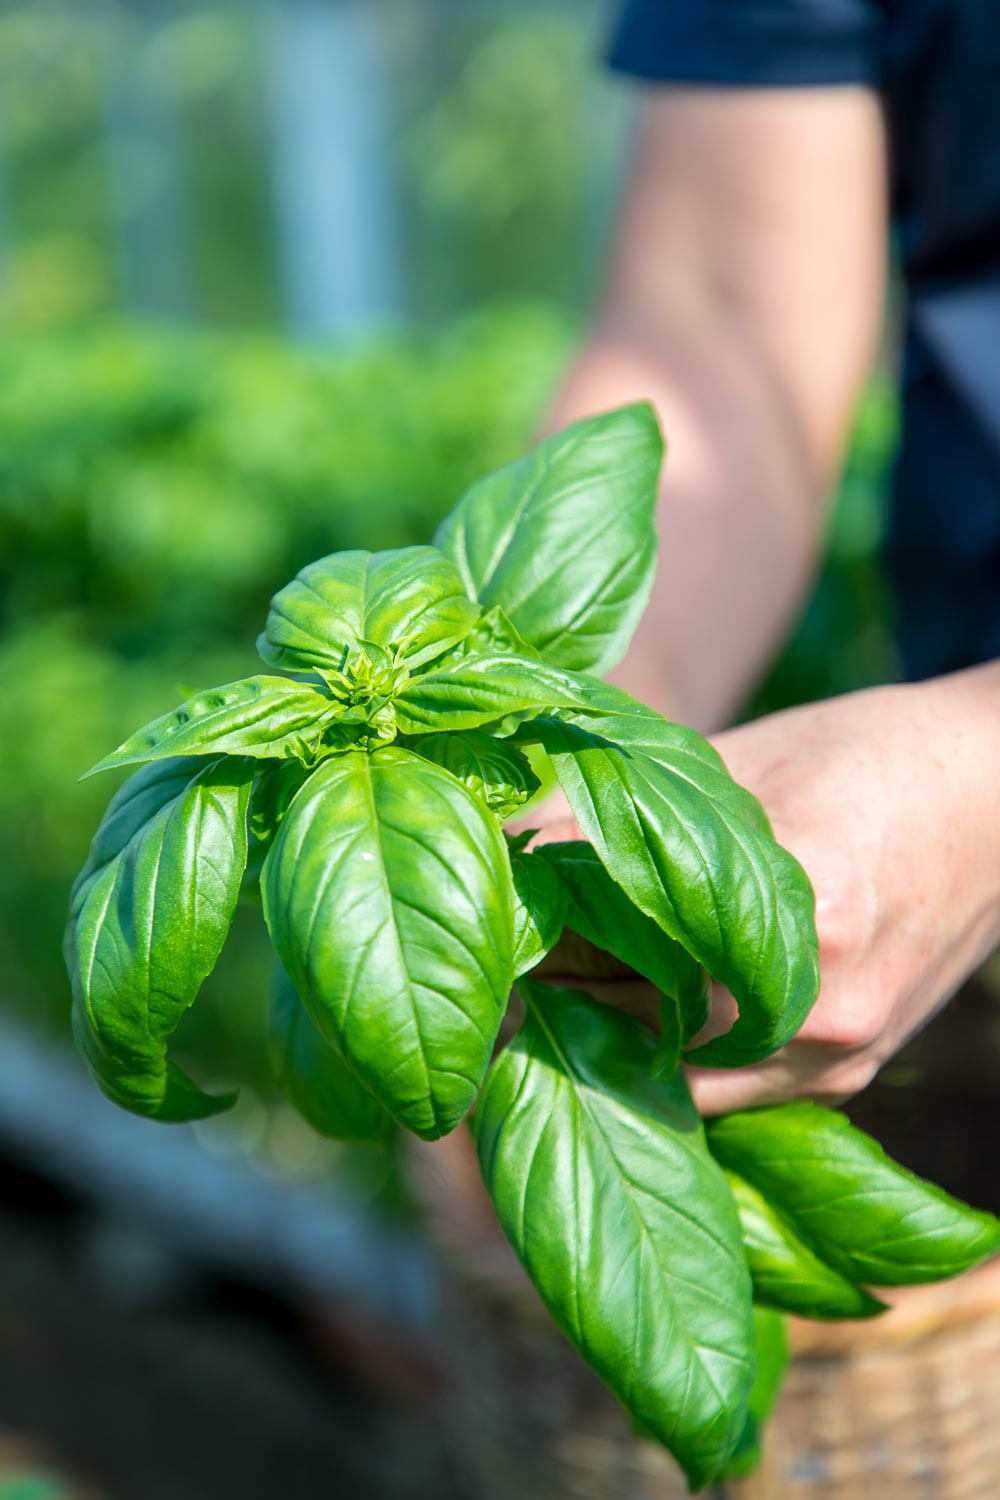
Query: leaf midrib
{"type": "Point", "coordinates": [369, 786]}
{"type": "Point", "coordinates": [580, 1092]}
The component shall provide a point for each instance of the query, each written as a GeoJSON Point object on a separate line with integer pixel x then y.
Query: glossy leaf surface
{"type": "Point", "coordinates": [315, 1078]}
{"type": "Point", "coordinates": [388, 896]}
{"type": "Point", "coordinates": [261, 716]}
{"type": "Point", "coordinates": [540, 906]}
{"type": "Point", "coordinates": [410, 600]}
{"type": "Point", "coordinates": [563, 540]}
{"type": "Point", "coordinates": [494, 635]}
{"type": "Point", "coordinates": [843, 1196]}
{"type": "Point", "coordinates": [693, 851]}
{"type": "Point", "coordinates": [496, 773]}
{"type": "Point", "coordinates": [135, 802]}
{"type": "Point", "coordinates": [604, 1187]}
{"type": "Point", "coordinates": [475, 690]}
{"type": "Point", "coordinates": [148, 918]}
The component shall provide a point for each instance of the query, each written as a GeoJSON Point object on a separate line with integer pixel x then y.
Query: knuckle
{"type": "Point", "coordinates": [852, 1078]}
{"type": "Point", "coordinates": [832, 1084]}
{"type": "Point", "coordinates": [846, 914]}
{"type": "Point", "coordinates": [852, 1025]}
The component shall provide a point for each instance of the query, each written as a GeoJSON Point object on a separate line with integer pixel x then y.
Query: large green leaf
{"type": "Point", "coordinates": [600, 911]}
{"type": "Point", "coordinates": [497, 773]}
{"type": "Point", "coordinates": [148, 918]}
{"type": "Point", "coordinates": [693, 851]}
{"type": "Point", "coordinates": [563, 540]}
{"type": "Point", "coordinates": [606, 1190]}
{"type": "Point", "coordinates": [266, 717]}
{"type": "Point", "coordinates": [411, 600]}
{"type": "Point", "coordinates": [315, 1078]}
{"type": "Point", "coordinates": [478, 689]}
{"type": "Point", "coordinates": [868, 1218]}
{"type": "Point", "coordinates": [388, 896]}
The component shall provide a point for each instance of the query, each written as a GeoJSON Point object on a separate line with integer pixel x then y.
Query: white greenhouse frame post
{"type": "Point", "coordinates": [332, 170]}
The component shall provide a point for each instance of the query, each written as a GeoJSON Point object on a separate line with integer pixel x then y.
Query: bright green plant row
{"type": "Point", "coordinates": [364, 781]}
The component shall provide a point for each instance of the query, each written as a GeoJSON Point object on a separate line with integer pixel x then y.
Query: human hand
{"type": "Point", "coordinates": [890, 799]}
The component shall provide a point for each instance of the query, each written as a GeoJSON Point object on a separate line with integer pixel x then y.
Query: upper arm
{"type": "Point", "coordinates": [759, 214]}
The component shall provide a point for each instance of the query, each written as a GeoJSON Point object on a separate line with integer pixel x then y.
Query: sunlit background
{"type": "Point", "coordinates": [275, 279]}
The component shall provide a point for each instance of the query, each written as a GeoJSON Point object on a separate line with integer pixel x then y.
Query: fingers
{"type": "Point", "coordinates": [574, 963]}
{"type": "Point", "coordinates": [802, 1070]}
{"type": "Point", "coordinates": [636, 997]}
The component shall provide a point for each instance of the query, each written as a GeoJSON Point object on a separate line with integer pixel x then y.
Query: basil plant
{"type": "Point", "coordinates": [364, 781]}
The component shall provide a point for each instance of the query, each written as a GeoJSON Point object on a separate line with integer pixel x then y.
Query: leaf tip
{"type": "Point", "coordinates": [108, 763]}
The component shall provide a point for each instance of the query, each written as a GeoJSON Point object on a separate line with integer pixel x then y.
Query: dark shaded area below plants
{"type": "Point", "coordinates": [934, 1106]}
{"type": "Point", "coordinates": [138, 1374]}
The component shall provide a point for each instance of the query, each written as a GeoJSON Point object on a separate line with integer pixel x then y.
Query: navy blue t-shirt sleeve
{"type": "Point", "coordinates": [762, 43]}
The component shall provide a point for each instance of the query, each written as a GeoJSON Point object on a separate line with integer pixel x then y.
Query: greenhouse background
{"type": "Point", "coordinates": [275, 279]}
{"type": "Point", "coordinates": [369, 162]}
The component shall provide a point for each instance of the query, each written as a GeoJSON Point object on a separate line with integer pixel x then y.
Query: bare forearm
{"type": "Point", "coordinates": [740, 514]}
{"type": "Point", "coordinates": [743, 298]}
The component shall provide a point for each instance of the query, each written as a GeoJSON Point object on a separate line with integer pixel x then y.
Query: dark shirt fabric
{"type": "Point", "coordinates": [937, 65]}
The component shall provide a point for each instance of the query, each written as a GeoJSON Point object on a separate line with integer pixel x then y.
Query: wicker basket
{"type": "Point", "coordinates": [904, 1408]}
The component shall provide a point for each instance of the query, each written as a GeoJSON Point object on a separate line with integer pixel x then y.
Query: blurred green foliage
{"type": "Point", "coordinates": [155, 489]}
{"type": "Point", "coordinates": [138, 154]}
{"type": "Point", "coordinates": [511, 154]}
{"type": "Point", "coordinates": [115, 116]}
{"type": "Point", "coordinates": [34, 1487]}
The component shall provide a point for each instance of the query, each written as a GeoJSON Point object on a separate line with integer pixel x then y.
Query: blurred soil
{"type": "Point", "coordinates": [139, 1378]}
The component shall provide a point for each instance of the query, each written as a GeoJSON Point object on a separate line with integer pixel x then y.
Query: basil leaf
{"type": "Point", "coordinates": [771, 1346]}
{"type": "Point", "coordinates": [388, 896]}
{"type": "Point", "coordinates": [148, 919]}
{"type": "Point", "coordinates": [693, 851]}
{"type": "Point", "coordinates": [273, 791]}
{"type": "Point", "coordinates": [564, 539]}
{"type": "Point", "coordinates": [494, 635]}
{"type": "Point", "coordinates": [315, 1078]}
{"type": "Point", "coordinates": [410, 600]}
{"type": "Point", "coordinates": [479, 689]}
{"type": "Point", "coordinates": [135, 802]}
{"type": "Point", "coordinates": [787, 1273]}
{"type": "Point", "coordinates": [496, 773]}
{"type": "Point", "coordinates": [539, 910]}
{"type": "Point", "coordinates": [869, 1218]}
{"type": "Point", "coordinates": [260, 716]}
{"type": "Point", "coordinates": [601, 912]}
{"type": "Point", "coordinates": [604, 1187]}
